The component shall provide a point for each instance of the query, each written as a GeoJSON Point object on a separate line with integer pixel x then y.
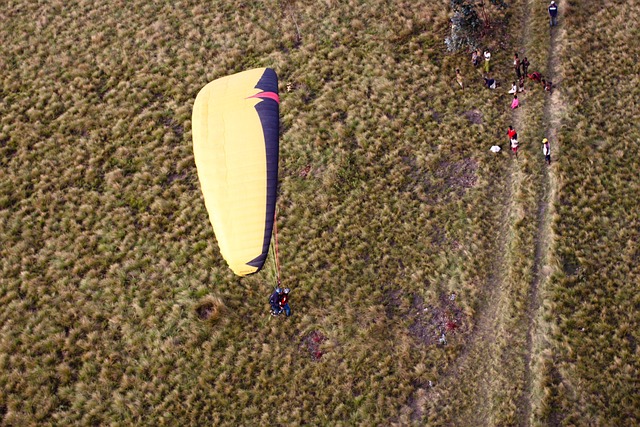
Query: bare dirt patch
{"type": "Point", "coordinates": [435, 323]}
{"type": "Point", "coordinates": [312, 344]}
{"type": "Point", "coordinates": [448, 181]}
{"type": "Point", "coordinates": [460, 175]}
{"type": "Point", "coordinates": [474, 116]}
{"type": "Point", "coordinates": [210, 308]}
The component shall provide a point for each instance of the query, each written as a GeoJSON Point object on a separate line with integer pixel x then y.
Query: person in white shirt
{"type": "Point", "coordinates": [546, 150]}
{"type": "Point", "coordinates": [487, 58]}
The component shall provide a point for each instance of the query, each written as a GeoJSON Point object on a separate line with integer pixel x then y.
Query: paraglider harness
{"type": "Point", "coordinates": [279, 302]}
{"type": "Point", "coordinates": [274, 301]}
{"type": "Point", "coordinates": [279, 299]}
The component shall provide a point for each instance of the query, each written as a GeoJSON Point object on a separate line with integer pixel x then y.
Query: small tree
{"type": "Point", "coordinates": [465, 26]}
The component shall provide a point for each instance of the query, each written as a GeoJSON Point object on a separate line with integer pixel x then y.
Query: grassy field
{"type": "Point", "coordinates": [591, 362]}
{"type": "Point", "coordinates": [396, 222]}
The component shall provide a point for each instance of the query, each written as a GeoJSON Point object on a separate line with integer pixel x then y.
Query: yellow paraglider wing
{"type": "Point", "coordinates": [235, 143]}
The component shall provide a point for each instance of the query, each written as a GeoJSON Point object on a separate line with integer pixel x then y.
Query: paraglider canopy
{"type": "Point", "coordinates": [235, 143]}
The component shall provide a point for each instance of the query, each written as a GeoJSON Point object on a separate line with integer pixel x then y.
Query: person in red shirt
{"type": "Point", "coordinates": [284, 302]}
{"type": "Point", "coordinates": [511, 133]}
{"type": "Point", "coordinates": [535, 76]}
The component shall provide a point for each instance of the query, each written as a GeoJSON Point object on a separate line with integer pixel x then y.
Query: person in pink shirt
{"type": "Point", "coordinates": [515, 103]}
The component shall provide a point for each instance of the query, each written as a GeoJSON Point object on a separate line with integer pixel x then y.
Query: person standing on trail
{"type": "Point", "coordinates": [511, 133]}
{"type": "Point", "coordinates": [514, 147]}
{"type": "Point", "coordinates": [516, 65]}
{"type": "Point", "coordinates": [525, 66]}
{"type": "Point", "coordinates": [546, 150]}
{"type": "Point", "coordinates": [487, 58]}
{"type": "Point", "coordinates": [553, 14]}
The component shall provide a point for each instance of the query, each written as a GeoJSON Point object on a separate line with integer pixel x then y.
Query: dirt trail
{"type": "Point", "coordinates": [474, 363]}
{"type": "Point", "coordinates": [480, 364]}
{"type": "Point", "coordinates": [553, 109]}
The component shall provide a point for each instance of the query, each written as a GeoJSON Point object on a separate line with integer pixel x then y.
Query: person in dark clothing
{"type": "Point", "coordinates": [490, 83]}
{"type": "Point", "coordinates": [284, 302]}
{"type": "Point", "coordinates": [535, 76]}
{"type": "Point", "coordinates": [516, 65]}
{"type": "Point", "coordinates": [525, 66]}
{"type": "Point", "coordinates": [553, 14]}
{"type": "Point", "coordinates": [274, 301]}
{"type": "Point", "coordinates": [476, 57]}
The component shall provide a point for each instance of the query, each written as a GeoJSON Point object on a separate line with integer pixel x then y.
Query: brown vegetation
{"type": "Point", "coordinates": [116, 307]}
{"type": "Point", "coordinates": [589, 360]}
